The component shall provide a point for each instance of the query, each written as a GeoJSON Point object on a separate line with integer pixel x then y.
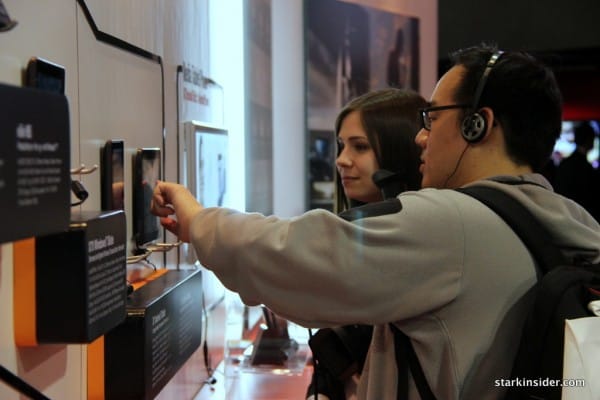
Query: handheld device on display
{"type": "Point", "coordinates": [146, 172]}
{"type": "Point", "coordinates": [112, 179]}
{"type": "Point", "coordinates": [45, 75]}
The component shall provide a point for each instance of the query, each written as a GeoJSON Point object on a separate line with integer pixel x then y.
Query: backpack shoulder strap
{"type": "Point", "coordinates": [406, 359]}
{"type": "Point", "coordinates": [532, 233]}
{"type": "Point", "coordinates": [530, 230]}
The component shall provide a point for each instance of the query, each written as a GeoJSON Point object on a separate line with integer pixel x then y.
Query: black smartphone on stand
{"type": "Point", "coordinates": [146, 173]}
{"type": "Point", "coordinates": [45, 75]}
{"type": "Point", "coordinates": [112, 176]}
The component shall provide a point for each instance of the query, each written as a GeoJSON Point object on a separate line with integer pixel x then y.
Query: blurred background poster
{"type": "Point", "coordinates": [353, 49]}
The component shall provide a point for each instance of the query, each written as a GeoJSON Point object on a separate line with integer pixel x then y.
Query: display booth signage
{"type": "Point", "coordinates": [34, 162]}
{"type": "Point", "coordinates": [70, 287]}
{"type": "Point", "coordinates": [162, 330]}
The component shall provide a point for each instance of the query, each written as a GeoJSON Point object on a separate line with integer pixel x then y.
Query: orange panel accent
{"type": "Point", "coordinates": [95, 353]}
{"type": "Point", "coordinates": [95, 369]}
{"type": "Point", "coordinates": [159, 272]}
{"type": "Point", "coordinates": [24, 292]}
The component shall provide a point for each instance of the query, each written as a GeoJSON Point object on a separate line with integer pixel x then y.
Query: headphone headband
{"type": "Point", "coordinates": [474, 125]}
{"type": "Point", "coordinates": [478, 92]}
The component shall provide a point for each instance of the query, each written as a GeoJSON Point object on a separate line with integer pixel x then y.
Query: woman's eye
{"type": "Point", "coordinates": [362, 146]}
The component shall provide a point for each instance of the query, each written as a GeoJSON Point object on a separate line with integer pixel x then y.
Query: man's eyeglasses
{"type": "Point", "coordinates": [426, 119]}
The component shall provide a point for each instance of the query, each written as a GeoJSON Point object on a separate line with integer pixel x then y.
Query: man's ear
{"type": "Point", "coordinates": [489, 116]}
{"type": "Point", "coordinates": [490, 121]}
{"type": "Point", "coordinates": [476, 126]}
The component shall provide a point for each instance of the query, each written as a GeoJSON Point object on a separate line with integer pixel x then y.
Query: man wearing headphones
{"type": "Point", "coordinates": [441, 266]}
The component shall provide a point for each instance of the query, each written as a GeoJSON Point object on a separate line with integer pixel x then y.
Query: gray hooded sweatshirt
{"type": "Point", "coordinates": [445, 269]}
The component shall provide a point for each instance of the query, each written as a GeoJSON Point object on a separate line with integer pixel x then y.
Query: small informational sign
{"type": "Point", "coordinates": [34, 162]}
{"type": "Point", "coordinates": [162, 330]}
{"type": "Point", "coordinates": [81, 296]}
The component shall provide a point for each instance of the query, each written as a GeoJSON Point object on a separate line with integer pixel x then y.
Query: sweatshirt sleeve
{"type": "Point", "coordinates": [320, 270]}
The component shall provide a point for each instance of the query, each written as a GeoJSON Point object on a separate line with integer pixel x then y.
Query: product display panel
{"type": "Point", "coordinates": [45, 75]}
{"type": "Point", "coordinates": [204, 167]}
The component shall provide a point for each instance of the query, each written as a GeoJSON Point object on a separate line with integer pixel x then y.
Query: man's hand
{"type": "Point", "coordinates": [173, 199]}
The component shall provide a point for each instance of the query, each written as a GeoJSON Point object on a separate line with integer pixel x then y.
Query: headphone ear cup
{"type": "Point", "coordinates": [473, 127]}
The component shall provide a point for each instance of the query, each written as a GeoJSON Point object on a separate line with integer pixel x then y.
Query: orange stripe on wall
{"type": "Point", "coordinates": [95, 369]}
{"type": "Point", "coordinates": [24, 292]}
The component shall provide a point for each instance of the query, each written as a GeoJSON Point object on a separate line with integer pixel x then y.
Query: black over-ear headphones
{"type": "Point", "coordinates": [474, 125]}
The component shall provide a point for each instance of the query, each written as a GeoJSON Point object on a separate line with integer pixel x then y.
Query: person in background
{"type": "Point", "coordinates": [398, 67]}
{"type": "Point", "coordinates": [575, 177]}
{"type": "Point", "coordinates": [376, 157]}
{"type": "Point", "coordinates": [436, 263]}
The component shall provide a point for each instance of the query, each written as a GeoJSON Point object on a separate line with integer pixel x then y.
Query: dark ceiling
{"type": "Point", "coordinates": [541, 25]}
{"type": "Point", "coordinates": [566, 35]}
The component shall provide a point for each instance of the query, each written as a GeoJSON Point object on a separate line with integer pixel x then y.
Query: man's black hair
{"type": "Point", "coordinates": [525, 98]}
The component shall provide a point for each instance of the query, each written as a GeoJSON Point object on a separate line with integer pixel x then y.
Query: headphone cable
{"type": "Point", "coordinates": [445, 186]}
{"type": "Point", "coordinates": [315, 374]}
